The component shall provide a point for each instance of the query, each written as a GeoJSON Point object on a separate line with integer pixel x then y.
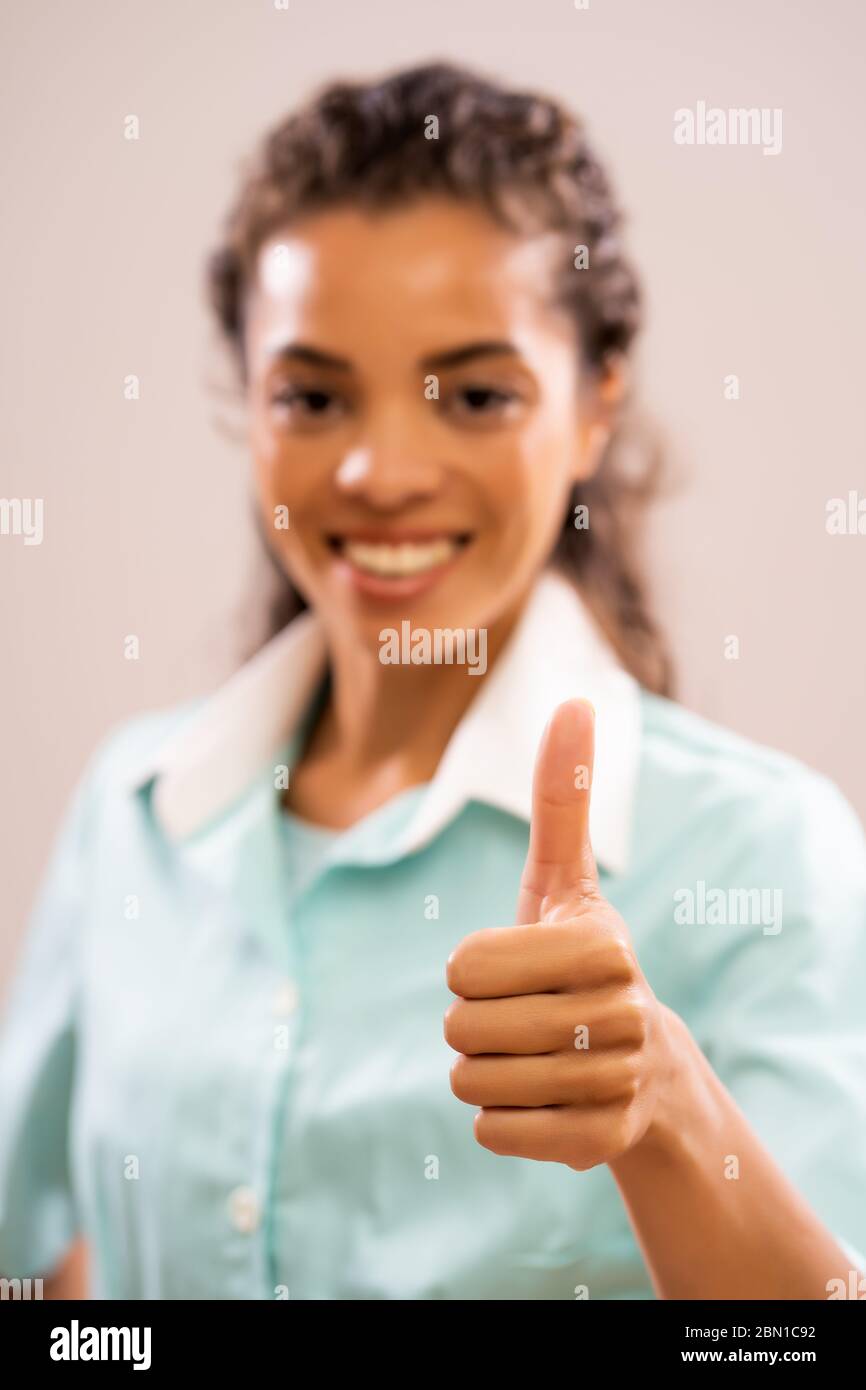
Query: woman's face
{"type": "Point", "coordinates": [415, 412]}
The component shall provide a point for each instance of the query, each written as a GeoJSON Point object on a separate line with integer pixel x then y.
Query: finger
{"type": "Point", "coordinates": [499, 961]}
{"type": "Point", "coordinates": [556, 1133]}
{"type": "Point", "coordinates": [560, 862]}
{"type": "Point", "coordinates": [532, 1023]}
{"type": "Point", "coordinates": [557, 1078]}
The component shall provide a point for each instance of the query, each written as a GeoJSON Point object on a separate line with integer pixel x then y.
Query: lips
{"type": "Point", "coordinates": [399, 561]}
{"type": "Point", "coordinates": [399, 556]}
{"type": "Point", "coordinates": [396, 564]}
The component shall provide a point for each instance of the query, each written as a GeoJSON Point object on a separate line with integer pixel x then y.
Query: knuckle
{"type": "Point", "coordinates": [486, 1133]}
{"type": "Point", "coordinates": [618, 1084]}
{"type": "Point", "coordinates": [630, 1082]}
{"type": "Point", "coordinates": [460, 1077]}
{"type": "Point", "coordinates": [462, 968]}
{"type": "Point", "coordinates": [454, 969]}
{"type": "Point", "coordinates": [499, 1138]}
{"type": "Point", "coordinates": [451, 1027]}
{"type": "Point", "coordinates": [636, 1023]}
{"type": "Point", "coordinates": [619, 959]}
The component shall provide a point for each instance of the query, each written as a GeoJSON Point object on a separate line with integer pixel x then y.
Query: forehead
{"type": "Point", "coordinates": [434, 272]}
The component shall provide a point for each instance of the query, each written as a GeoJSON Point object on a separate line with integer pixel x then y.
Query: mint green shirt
{"type": "Point", "coordinates": [223, 1061]}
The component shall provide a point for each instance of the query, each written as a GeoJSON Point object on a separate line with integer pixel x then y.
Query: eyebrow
{"type": "Point", "coordinates": [451, 357]}
{"type": "Point", "coordinates": [455, 357]}
{"type": "Point", "coordinates": [303, 352]}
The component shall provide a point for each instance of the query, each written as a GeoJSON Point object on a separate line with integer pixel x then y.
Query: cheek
{"type": "Point", "coordinates": [533, 478]}
{"type": "Point", "coordinates": [276, 505]}
{"type": "Point", "coordinates": [284, 470]}
{"type": "Point", "coordinates": [280, 498]}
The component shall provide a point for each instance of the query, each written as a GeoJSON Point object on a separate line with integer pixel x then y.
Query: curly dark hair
{"type": "Point", "coordinates": [528, 163]}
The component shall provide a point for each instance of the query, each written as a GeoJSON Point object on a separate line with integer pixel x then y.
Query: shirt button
{"type": "Point", "coordinates": [244, 1210]}
{"type": "Point", "coordinates": [286, 999]}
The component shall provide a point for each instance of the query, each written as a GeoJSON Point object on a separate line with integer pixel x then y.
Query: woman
{"type": "Point", "coordinates": [225, 1065]}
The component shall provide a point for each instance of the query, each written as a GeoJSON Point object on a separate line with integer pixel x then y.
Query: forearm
{"type": "Point", "coordinates": [714, 1215]}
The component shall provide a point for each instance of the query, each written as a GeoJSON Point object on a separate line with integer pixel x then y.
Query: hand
{"type": "Point", "coordinates": [562, 1042]}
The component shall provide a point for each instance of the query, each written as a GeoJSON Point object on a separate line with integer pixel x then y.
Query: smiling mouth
{"type": "Point", "coordinates": [399, 557]}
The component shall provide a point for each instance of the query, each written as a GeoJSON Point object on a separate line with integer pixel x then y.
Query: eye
{"type": "Point", "coordinates": [308, 404]}
{"type": "Point", "coordinates": [477, 401]}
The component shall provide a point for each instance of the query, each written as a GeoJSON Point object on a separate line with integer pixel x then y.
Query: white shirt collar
{"type": "Point", "coordinates": [554, 654]}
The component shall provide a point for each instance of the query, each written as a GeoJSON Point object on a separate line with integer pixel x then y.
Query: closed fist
{"type": "Point", "coordinates": [562, 1043]}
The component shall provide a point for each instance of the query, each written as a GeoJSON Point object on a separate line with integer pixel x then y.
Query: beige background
{"type": "Point", "coordinates": [754, 266]}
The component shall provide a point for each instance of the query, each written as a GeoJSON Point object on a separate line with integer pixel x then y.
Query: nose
{"type": "Point", "coordinates": [391, 462]}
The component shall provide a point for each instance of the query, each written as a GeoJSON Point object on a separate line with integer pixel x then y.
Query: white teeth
{"type": "Point", "coordinates": [395, 561]}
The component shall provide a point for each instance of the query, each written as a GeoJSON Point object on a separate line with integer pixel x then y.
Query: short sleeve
{"type": "Point", "coordinates": [787, 1031]}
{"type": "Point", "coordinates": [37, 1060]}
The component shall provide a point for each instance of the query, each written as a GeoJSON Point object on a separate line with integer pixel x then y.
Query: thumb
{"type": "Point", "coordinates": [560, 862]}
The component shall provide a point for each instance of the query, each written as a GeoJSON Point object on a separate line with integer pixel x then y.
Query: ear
{"type": "Point", "coordinates": [601, 398]}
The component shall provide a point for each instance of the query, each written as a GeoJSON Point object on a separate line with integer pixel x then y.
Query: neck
{"type": "Point", "coordinates": [397, 716]}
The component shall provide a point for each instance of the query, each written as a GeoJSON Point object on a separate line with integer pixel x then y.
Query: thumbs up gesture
{"type": "Point", "coordinates": [562, 1043]}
